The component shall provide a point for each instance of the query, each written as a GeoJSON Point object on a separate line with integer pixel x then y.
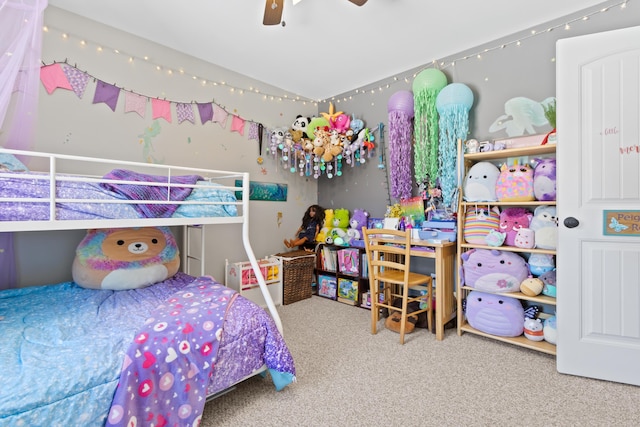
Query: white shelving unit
{"type": "Point", "coordinates": [240, 277]}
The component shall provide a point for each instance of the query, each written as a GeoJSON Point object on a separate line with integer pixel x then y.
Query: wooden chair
{"type": "Point", "coordinates": [388, 255]}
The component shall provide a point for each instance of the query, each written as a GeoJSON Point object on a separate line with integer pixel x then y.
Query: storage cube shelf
{"type": "Point", "coordinates": [341, 273]}
{"type": "Point", "coordinates": [240, 277]}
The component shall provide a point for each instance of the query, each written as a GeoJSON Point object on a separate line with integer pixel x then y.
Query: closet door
{"type": "Point", "coordinates": [598, 130]}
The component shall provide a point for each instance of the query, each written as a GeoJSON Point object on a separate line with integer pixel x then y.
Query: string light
{"type": "Point", "coordinates": [479, 55]}
{"type": "Point", "coordinates": [394, 79]}
{"type": "Point", "coordinates": [130, 58]}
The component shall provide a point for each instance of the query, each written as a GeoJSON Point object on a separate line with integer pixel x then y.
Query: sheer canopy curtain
{"type": "Point", "coordinates": [21, 45]}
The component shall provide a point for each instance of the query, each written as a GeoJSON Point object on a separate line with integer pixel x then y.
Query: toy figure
{"type": "Point", "coordinates": [306, 233]}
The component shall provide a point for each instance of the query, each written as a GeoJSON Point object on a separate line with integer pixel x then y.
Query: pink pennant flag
{"type": "Point", "coordinates": [220, 115]}
{"type": "Point", "coordinates": [237, 125]}
{"type": "Point", "coordinates": [185, 112]}
{"type": "Point", "coordinates": [53, 77]}
{"type": "Point", "coordinates": [136, 103]}
{"type": "Point", "coordinates": [161, 109]}
{"type": "Point", "coordinates": [106, 93]}
{"type": "Point", "coordinates": [78, 79]}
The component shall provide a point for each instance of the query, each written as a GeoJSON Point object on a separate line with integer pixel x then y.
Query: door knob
{"type": "Point", "coordinates": [571, 222]}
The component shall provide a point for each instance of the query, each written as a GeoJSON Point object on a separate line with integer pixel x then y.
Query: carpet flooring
{"type": "Point", "coordinates": [348, 377]}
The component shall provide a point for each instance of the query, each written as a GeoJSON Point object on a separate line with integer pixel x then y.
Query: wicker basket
{"type": "Point", "coordinates": [297, 275]}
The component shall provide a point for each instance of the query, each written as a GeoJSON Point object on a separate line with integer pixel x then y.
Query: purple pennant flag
{"type": "Point", "coordinates": [106, 93]}
{"type": "Point", "coordinates": [253, 130]}
{"type": "Point", "coordinates": [206, 112]}
{"type": "Point", "coordinates": [78, 79]}
{"type": "Point", "coordinates": [184, 112]}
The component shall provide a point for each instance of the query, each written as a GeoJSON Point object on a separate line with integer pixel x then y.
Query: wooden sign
{"type": "Point", "coordinates": [621, 223]}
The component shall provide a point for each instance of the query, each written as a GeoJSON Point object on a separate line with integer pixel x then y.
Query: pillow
{"type": "Point", "coordinates": [125, 258]}
{"type": "Point", "coordinates": [9, 162]}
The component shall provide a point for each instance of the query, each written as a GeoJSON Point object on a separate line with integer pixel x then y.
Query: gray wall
{"type": "Point", "coordinates": [527, 70]}
{"type": "Point", "coordinates": [72, 126]}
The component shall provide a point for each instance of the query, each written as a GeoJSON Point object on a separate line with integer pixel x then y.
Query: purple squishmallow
{"type": "Point", "coordinates": [491, 270]}
{"type": "Point", "coordinates": [544, 180]}
{"type": "Point", "coordinates": [512, 220]}
{"type": "Point", "coordinates": [495, 314]}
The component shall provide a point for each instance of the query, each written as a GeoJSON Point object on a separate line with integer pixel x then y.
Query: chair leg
{"type": "Point", "coordinates": [403, 317]}
{"type": "Point", "coordinates": [375, 309]}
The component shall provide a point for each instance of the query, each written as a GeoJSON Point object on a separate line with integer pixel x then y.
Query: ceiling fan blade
{"type": "Point", "coordinates": [358, 2]}
{"type": "Point", "coordinates": [273, 12]}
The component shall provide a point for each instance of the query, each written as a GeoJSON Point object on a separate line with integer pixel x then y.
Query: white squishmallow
{"type": "Point", "coordinates": [480, 183]}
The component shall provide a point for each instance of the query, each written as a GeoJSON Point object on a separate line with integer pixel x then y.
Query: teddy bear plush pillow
{"type": "Point", "coordinates": [125, 258]}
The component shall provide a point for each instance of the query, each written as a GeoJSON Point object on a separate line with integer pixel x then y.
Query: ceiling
{"type": "Point", "coordinates": [327, 47]}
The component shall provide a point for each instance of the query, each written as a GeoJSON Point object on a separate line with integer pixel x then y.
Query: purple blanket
{"type": "Point", "coordinates": [167, 368]}
{"type": "Point", "coordinates": [148, 192]}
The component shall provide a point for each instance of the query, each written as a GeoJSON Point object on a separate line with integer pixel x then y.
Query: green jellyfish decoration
{"type": "Point", "coordinates": [453, 104]}
{"type": "Point", "coordinates": [426, 86]}
{"type": "Point", "coordinates": [400, 108]}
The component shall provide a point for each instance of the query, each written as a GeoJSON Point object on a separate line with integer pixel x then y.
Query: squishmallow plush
{"type": "Point", "coordinates": [545, 224]}
{"type": "Point", "coordinates": [479, 222]}
{"type": "Point", "coordinates": [549, 280]}
{"type": "Point", "coordinates": [491, 270]}
{"type": "Point", "coordinates": [480, 183]}
{"type": "Point", "coordinates": [513, 219]}
{"type": "Point", "coordinates": [125, 258]}
{"type": "Point", "coordinates": [544, 179]}
{"type": "Point", "coordinates": [495, 314]}
{"type": "Point", "coordinates": [533, 329]}
{"type": "Point", "coordinates": [515, 183]}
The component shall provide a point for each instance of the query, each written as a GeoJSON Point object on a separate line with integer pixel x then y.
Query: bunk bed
{"type": "Point", "coordinates": [69, 353]}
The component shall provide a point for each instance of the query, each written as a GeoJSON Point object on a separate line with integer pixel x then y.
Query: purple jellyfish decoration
{"type": "Point", "coordinates": [400, 107]}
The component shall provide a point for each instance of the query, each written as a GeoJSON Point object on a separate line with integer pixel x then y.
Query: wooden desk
{"type": "Point", "coordinates": [445, 260]}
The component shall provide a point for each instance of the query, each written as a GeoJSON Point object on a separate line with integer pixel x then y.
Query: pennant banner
{"type": "Point", "coordinates": [65, 76]}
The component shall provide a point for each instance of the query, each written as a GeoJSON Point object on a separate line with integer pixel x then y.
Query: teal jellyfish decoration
{"type": "Point", "coordinates": [453, 104]}
{"type": "Point", "coordinates": [426, 86]}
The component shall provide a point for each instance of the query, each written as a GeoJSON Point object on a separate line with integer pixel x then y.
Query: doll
{"type": "Point", "coordinates": [306, 234]}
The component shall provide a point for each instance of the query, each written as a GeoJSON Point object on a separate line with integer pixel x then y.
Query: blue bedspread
{"type": "Point", "coordinates": [63, 349]}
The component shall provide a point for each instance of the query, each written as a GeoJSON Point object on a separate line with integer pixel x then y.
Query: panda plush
{"type": "Point", "coordinates": [300, 124]}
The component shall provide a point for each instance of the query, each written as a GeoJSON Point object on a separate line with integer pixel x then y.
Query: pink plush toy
{"type": "Point", "coordinates": [340, 122]}
{"type": "Point", "coordinates": [515, 183]}
{"type": "Point", "coordinates": [512, 220]}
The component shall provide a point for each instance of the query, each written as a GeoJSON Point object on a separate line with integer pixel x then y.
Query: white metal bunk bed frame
{"type": "Point", "coordinates": [55, 224]}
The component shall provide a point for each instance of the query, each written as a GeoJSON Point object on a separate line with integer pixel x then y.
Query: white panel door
{"type": "Point", "coordinates": [598, 258]}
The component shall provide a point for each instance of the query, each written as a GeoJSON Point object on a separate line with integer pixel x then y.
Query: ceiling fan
{"type": "Point", "coordinates": [273, 10]}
